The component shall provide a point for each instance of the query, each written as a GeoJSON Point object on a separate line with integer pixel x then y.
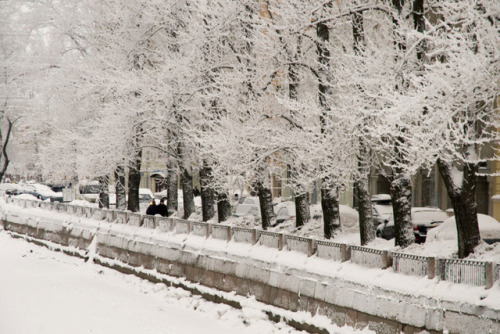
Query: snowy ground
{"type": "Point", "coordinates": [43, 291]}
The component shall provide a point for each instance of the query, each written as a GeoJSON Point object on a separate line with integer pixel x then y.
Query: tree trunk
{"type": "Point", "coordinates": [329, 199]}
{"type": "Point", "coordinates": [172, 184]}
{"type": "Point", "coordinates": [266, 204]}
{"type": "Point", "coordinates": [331, 212]}
{"type": "Point", "coordinates": [4, 158]}
{"type": "Point", "coordinates": [223, 207]}
{"type": "Point", "coordinates": [361, 185]}
{"type": "Point", "coordinates": [186, 181]}
{"type": "Point", "coordinates": [134, 181]}
{"type": "Point", "coordinates": [302, 211]}
{"type": "Point", "coordinates": [401, 207]}
{"type": "Point", "coordinates": [121, 197]}
{"type": "Point", "coordinates": [207, 194]}
{"type": "Point", "coordinates": [187, 192]}
{"type": "Point", "coordinates": [366, 228]}
{"type": "Point", "coordinates": [103, 192]}
{"type": "Point", "coordinates": [463, 200]}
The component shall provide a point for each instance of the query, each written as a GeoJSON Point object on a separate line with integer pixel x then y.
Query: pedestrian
{"type": "Point", "coordinates": [162, 208]}
{"type": "Point", "coordinates": [152, 208]}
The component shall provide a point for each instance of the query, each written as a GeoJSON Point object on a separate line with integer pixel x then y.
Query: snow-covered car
{"type": "Point", "coordinates": [89, 191]}
{"type": "Point", "coordinates": [47, 192]}
{"type": "Point", "coordinates": [145, 195]}
{"type": "Point", "coordinates": [489, 229]}
{"type": "Point", "coordinates": [381, 208]}
{"type": "Point", "coordinates": [422, 219]}
{"type": "Point", "coordinates": [284, 211]}
{"type": "Point", "coordinates": [247, 206]}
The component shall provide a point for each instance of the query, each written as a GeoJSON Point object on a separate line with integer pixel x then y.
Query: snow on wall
{"type": "Point", "coordinates": [243, 234]}
{"type": "Point", "coordinates": [329, 250]}
{"type": "Point", "coordinates": [416, 301]}
{"type": "Point", "coordinates": [368, 257]}
{"type": "Point", "coordinates": [200, 229]}
{"type": "Point", "coordinates": [221, 232]}
{"type": "Point", "coordinates": [271, 239]}
{"type": "Point", "coordinates": [410, 264]}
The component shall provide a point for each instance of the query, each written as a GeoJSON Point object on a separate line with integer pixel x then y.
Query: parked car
{"type": "Point", "coordinates": [284, 211]}
{"type": "Point", "coordinates": [249, 205]}
{"type": "Point", "coordinates": [381, 209]}
{"type": "Point", "coordinates": [145, 195]}
{"type": "Point", "coordinates": [47, 192]}
{"type": "Point", "coordinates": [489, 230]}
{"type": "Point", "coordinates": [89, 191]}
{"type": "Point", "coordinates": [422, 219]}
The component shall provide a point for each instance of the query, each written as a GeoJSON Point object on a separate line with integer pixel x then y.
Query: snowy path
{"type": "Point", "coordinates": [47, 292]}
{"type": "Point", "coordinates": [43, 291]}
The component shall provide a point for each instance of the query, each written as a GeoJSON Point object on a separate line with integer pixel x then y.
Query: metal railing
{"type": "Point", "coordinates": [476, 273]}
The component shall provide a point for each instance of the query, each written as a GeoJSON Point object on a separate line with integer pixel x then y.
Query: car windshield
{"type": "Point", "coordinates": [429, 216]}
{"type": "Point", "coordinates": [90, 189]}
{"type": "Point", "coordinates": [145, 197]}
{"type": "Point", "coordinates": [384, 209]}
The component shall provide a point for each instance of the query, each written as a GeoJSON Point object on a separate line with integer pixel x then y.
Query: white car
{"type": "Point", "coordinates": [145, 195]}
{"type": "Point", "coordinates": [247, 206]}
{"type": "Point", "coordinates": [489, 229]}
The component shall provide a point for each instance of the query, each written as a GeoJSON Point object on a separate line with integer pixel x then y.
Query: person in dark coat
{"type": "Point", "coordinates": [152, 208]}
{"type": "Point", "coordinates": [162, 208]}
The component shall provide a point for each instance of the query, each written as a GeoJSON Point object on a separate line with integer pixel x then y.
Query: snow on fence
{"type": "Point", "coordinates": [134, 219]}
{"type": "Point", "coordinates": [477, 273]}
{"type": "Point", "coordinates": [70, 209]}
{"type": "Point", "coordinates": [410, 264]}
{"type": "Point", "coordinates": [332, 250]}
{"type": "Point", "coordinates": [144, 221]}
{"type": "Point", "coordinates": [61, 207]}
{"type": "Point", "coordinates": [244, 234]}
{"type": "Point", "coordinates": [165, 224]}
{"type": "Point", "coordinates": [271, 239]}
{"type": "Point", "coordinates": [89, 212]}
{"type": "Point", "coordinates": [110, 215]}
{"type": "Point", "coordinates": [99, 214]}
{"type": "Point", "coordinates": [299, 244]}
{"type": "Point", "coordinates": [182, 226]}
{"type": "Point", "coordinates": [201, 229]}
{"type": "Point", "coordinates": [79, 210]}
{"type": "Point", "coordinates": [369, 257]}
{"type": "Point", "coordinates": [121, 217]}
{"type": "Point", "coordinates": [222, 232]}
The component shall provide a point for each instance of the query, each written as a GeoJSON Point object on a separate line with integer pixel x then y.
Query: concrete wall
{"type": "Point", "coordinates": [227, 267]}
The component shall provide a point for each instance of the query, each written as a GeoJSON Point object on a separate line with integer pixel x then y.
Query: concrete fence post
{"type": "Point", "coordinates": [309, 247]}
{"type": "Point", "coordinates": [207, 231]}
{"type": "Point", "coordinates": [280, 241]}
{"type": "Point", "coordinates": [386, 259]}
{"type": "Point", "coordinates": [345, 253]}
{"type": "Point", "coordinates": [490, 274]}
{"type": "Point", "coordinates": [431, 267]}
{"type": "Point", "coordinates": [171, 224]}
{"type": "Point", "coordinates": [228, 233]}
{"type": "Point", "coordinates": [254, 236]}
